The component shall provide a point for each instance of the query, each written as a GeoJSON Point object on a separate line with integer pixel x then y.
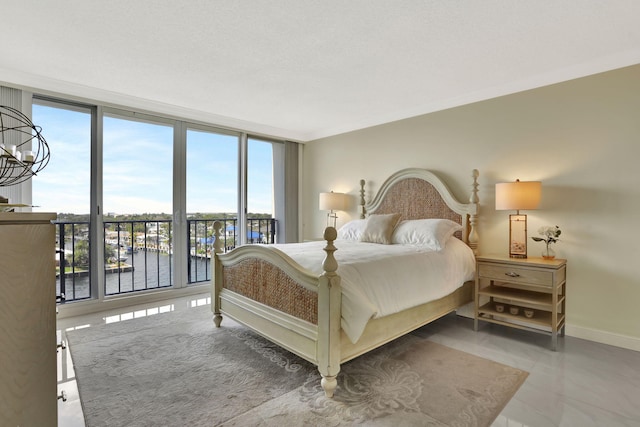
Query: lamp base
{"type": "Point", "coordinates": [332, 219]}
{"type": "Point", "coordinates": [517, 236]}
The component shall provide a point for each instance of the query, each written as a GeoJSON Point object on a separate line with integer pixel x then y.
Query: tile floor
{"type": "Point", "coordinates": [582, 384]}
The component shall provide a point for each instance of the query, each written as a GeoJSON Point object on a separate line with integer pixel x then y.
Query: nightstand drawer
{"type": "Point", "coordinates": [513, 274]}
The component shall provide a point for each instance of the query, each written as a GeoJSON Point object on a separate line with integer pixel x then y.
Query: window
{"type": "Point", "coordinates": [137, 196]}
{"type": "Point", "coordinates": [137, 167]}
{"type": "Point", "coordinates": [260, 192]}
{"type": "Point", "coordinates": [260, 177]}
{"type": "Point", "coordinates": [137, 182]}
{"type": "Point", "coordinates": [64, 187]}
{"type": "Point", "coordinates": [212, 195]}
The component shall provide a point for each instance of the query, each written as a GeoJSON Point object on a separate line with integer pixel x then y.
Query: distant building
{"type": "Point", "coordinates": [252, 236]}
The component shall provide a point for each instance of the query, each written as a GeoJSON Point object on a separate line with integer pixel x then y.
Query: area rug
{"type": "Point", "coordinates": [177, 369]}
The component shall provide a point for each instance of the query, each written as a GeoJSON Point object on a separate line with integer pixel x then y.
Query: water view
{"type": "Point", "coordinates": [140, 270]}
{"type": "Point", "coordinates": [138, 253]}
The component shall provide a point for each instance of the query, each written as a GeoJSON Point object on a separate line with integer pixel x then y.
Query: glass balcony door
{"type": "Point", "coordinates": [211, 195]}
{"type": "Point", "coordinates": [65, 188]}
{"type": "Point", "coordinates": [260, 191]}
{"type": "Point", "coordinates": [137, 193]}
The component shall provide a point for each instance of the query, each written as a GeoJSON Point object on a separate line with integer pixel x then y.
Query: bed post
{"type": "Point", "coordinates": [473, 216]}
{"type": "Point", "coordinates": [329, 308]}
{"type": "Point", "coordinates": [362, 202]}
{"type": "Point", "coordinates": [216, 276]}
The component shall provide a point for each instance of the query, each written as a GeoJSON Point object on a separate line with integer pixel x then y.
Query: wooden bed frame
{"type": "Point", "coordinates": [271, 294]}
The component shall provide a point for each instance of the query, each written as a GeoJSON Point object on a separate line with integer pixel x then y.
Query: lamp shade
{"type": "Point", "coordinates": [518, 195]}
{"type": "Point", "coordinates": [332, 201]}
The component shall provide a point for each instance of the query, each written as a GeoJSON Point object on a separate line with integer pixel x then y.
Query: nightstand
{"type": "Point", "coordinates": [527, 293]}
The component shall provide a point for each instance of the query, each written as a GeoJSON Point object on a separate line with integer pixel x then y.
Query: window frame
{"type": "Point", "coordinates": [179, 213]}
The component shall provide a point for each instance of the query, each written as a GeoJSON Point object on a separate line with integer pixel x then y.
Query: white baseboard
{"type": "Point", "coordinates": [603, 337]}
{"type": "Point", "coordinates": [595, 335]}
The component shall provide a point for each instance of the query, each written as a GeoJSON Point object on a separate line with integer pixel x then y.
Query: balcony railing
{"type": "Point", "coordinates": [200, 243]}
{"type": "Point", "coordinates": [139, 253]}
{"type": "Point", "coordinates": [72, 261]}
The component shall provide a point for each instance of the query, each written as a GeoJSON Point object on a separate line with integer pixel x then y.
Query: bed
{"type": "Point", "coordinates": [302, 303]}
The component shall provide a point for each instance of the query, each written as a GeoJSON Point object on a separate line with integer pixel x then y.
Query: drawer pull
{"type": "Point", "coordinates": [512, 274]}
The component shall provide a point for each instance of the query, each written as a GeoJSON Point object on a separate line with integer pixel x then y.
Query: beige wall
{"type": "Point", "coordinates": [580, 138]}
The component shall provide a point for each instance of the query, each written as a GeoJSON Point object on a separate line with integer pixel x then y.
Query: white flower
{"type": "Point", "coordinates": [550, 233]}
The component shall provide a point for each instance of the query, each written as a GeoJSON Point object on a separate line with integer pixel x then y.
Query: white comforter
{"type": "Point", "coordinates": [378, 280]}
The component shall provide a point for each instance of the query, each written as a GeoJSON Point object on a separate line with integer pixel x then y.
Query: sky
{"type": "Point", "coordinates": [138, 164]}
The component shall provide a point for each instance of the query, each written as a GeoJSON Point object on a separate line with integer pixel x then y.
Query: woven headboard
{"type": "Point", "coordinates": [419, 194]}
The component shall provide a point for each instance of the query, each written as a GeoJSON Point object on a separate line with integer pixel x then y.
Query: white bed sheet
{"type": "Point", "coordinates": [378, 280]}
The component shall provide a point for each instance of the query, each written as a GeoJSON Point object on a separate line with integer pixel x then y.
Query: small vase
{"type": "Point", "coordinates": [548, 253]}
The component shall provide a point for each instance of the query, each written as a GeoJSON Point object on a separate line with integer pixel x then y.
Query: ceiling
{"type": "Point", "coordinates": [302, 69]}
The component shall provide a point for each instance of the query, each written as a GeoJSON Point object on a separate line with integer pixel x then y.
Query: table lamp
{"type": "Point", "coordinates": [518, 196]}
{"type": "Point", "coordinates": [332, 202]}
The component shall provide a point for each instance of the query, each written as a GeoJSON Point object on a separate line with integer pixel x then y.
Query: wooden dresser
{"type": "Point", "coordinates": [28, 379]}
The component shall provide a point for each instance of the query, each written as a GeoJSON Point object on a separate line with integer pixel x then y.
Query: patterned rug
{"type": "Point", "coordinates": [177, 369]}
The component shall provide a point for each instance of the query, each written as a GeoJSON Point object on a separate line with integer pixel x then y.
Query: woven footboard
{"type": "Point", "coordinates": [263, 282]}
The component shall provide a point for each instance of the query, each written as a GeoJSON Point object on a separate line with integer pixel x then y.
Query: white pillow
{"type": "Point", "coordinates": [352, 230]}
{"type": "Point", "coordinates": [380, 228]}
{"type": "Point", "coordinates": [432, 233]}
